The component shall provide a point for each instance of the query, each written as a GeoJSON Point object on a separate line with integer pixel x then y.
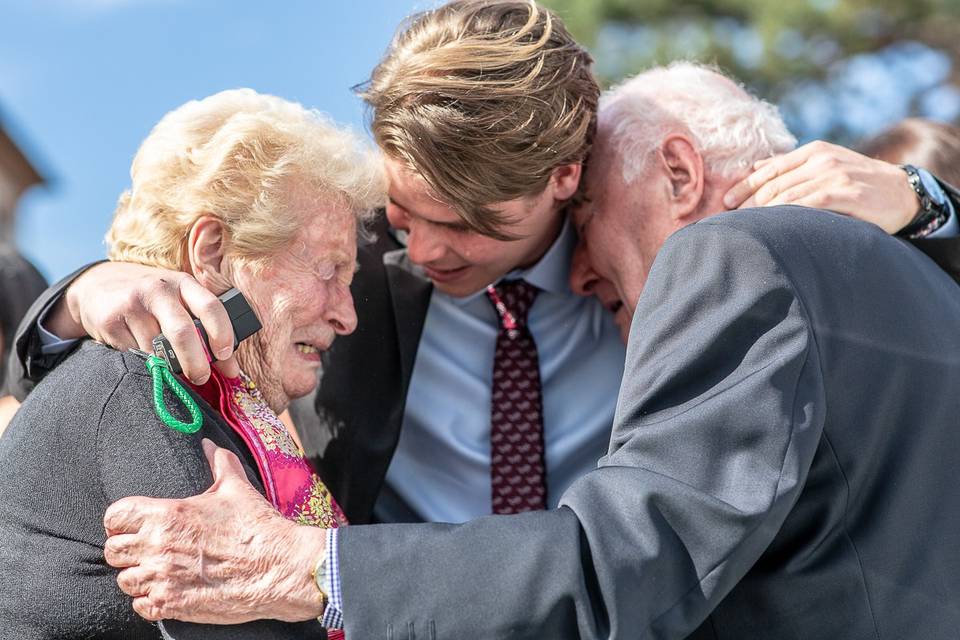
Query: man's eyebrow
{"type": "Point", "coordinates": [459, 225]}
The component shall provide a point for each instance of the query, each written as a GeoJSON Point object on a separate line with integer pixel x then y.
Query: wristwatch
{"type": "Point", "coordinates": [319, 578]}
{"type": "Point", "coordinates": [934, 208]}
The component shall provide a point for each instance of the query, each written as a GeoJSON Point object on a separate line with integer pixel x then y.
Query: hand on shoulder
{"type": "Point", "coordinates": [126, 305]}
{"type": "Point", "coordinates": [827, 176]}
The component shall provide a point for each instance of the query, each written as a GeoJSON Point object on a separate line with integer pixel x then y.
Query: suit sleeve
{"type": "Point", "coordinates": [27, 364]}
{"type": "Point", "coordinates": [720, 413]}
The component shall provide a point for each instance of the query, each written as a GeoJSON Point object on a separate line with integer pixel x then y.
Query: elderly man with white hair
{"type": "Point", "coordinates": [781, 464]}
{"type": "Point", "coordinates": [711, 116]}
{"type": "Point", "coordinates": [733, 132]}
{"type": "Point", "coordinates": [791, 411]}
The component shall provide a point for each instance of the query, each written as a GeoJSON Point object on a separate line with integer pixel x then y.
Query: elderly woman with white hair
{"type": "Point", "coordinates": [240, 190]}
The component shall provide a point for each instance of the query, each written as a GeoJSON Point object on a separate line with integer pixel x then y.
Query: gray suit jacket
{"type": "Point", "coordinates": [782, 464]}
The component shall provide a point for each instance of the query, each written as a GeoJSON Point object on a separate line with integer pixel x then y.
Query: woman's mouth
{"type": "Point", "coordinates": [309, 351]}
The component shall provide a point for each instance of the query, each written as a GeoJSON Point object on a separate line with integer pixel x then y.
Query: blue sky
{"type": "Point", "coordinates": [83, 81]}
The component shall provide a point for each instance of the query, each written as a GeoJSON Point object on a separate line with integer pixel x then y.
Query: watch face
{"type": "Point", "coordinates": [932, 187]}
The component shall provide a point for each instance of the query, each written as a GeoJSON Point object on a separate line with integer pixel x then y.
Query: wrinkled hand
{"type": "Point", "coordinates": [126, 305]}
{"type": "Point", "coordinates": [225, 556]}
{"type": "Point", "coordinates": [826, 176]}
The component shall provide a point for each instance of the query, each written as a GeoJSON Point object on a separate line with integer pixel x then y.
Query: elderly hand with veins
{"type": "Point", "coordinates": [225, 556]}
{"type": "Point", "coordinates": [827, 176]}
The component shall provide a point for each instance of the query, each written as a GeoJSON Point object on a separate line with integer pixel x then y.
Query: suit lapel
{"type": "Point", "coordinates": [362, 396]}
{"type": "Point", "coordinates": [410, 297]}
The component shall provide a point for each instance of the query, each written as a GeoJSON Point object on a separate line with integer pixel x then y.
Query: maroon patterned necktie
{"type": "Point", "coordinates": [517, 469]}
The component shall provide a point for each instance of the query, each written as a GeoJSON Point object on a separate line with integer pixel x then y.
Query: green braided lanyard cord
{"type": "Point", "coordinates": [162, 376]}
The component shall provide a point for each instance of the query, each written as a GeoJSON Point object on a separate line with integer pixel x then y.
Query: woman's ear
{"type": "Point", "coordinates": [206, 245]}
{"type": "Point", "coordinates": [684, 167]}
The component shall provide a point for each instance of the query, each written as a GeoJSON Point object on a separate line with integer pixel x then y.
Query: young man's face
{"type": "Point", "coordinates": [458, 260]}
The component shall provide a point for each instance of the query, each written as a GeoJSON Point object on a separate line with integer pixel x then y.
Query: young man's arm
{"type": "Point", "coordinates": [123, 305]}
{"type": "Point", "coordinates": [28, 360]}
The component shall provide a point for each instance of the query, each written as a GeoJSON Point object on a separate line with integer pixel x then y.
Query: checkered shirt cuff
{"type": "Point", "coordinates": [333, 615]}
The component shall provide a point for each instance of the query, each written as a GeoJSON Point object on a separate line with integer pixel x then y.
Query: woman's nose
{"type": "Point", "coordinates": [341, 315]}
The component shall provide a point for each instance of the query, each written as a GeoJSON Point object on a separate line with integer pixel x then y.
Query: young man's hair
{"type": "Point", "coordinates": [483, 99]}
{"type": "Point", "coordinates": [935, 146]}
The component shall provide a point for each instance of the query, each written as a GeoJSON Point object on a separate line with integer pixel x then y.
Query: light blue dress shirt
{"type": "Point", "coordinates": [441, 467]}
{"type": "Point", "coordinates": [950, 228]}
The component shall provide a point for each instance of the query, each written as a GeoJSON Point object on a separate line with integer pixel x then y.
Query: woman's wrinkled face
{"type": "Point", "coordinates": [302, 298]}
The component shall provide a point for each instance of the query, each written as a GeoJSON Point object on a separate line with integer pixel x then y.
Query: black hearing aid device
{"type": "Point", "coordinates": [242, 318]}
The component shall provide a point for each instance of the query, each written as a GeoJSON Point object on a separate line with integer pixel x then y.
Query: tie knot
{"type": "Point", "coordinates": [512, 299]}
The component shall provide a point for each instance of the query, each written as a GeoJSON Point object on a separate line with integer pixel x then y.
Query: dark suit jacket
{"type": "Point", "coordinates": [351, 424]}
{"type": "Point", "coordinates": [783, 464]}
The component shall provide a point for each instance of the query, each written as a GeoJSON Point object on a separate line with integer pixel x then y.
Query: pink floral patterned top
{"type": "Point", "coordinates": [291, 484]}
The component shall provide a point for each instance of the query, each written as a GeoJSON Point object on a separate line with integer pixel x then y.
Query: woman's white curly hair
{"type": "Point", "coordinates": [238, 155]}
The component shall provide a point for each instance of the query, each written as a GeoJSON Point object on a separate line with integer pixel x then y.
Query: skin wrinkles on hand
{"type": "Point", "coordinates": [827, 176]}
{"type": "Point", "coordinates": [192, 560]}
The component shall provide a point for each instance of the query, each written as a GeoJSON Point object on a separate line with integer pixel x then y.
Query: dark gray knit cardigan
{"type": "Point", "coordinates": [85, 437]}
